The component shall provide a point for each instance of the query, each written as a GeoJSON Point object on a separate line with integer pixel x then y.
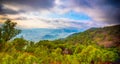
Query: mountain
{"type": "Point", "coordinates": [105, 36]}
{"type": "Point", "coordinates": [46, 34]}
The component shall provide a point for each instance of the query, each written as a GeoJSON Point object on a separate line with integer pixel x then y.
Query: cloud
{"type": "Point", "coordinates": [41, 23]}
{"type": "Point", "coordinates": [5, 10]}
{"type": "Point", "coordinates": [10, 11]}
{"type": "Point", "coordinates": [100, 10]}
{"type": "Point", "coordinates": [19, 6]}
{"type": "Point", "coordinates": [54, 23]}
{"type": "Point", "coordinates": [33, 4]}
{"type": "Point", "coordinates": [1, 11]}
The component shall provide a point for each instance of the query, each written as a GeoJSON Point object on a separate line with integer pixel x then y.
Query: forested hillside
{"type": "Point", "coordinates": [93, 46]}
{"type": "Point", "coordinates": [106, 36]}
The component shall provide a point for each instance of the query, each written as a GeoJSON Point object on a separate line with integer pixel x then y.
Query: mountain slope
{"type": "Point", "coordinates": [106, 36]}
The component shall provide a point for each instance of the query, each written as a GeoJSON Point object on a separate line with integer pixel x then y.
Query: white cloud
{"type": "Point", "coordinates": [54, 23]}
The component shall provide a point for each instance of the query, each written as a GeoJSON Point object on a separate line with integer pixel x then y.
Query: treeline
{"type": "Point", "coordinates": [80, 48]}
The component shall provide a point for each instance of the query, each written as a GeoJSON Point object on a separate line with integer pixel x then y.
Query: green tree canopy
{"type": "Point", "coordinates": [8, 30]}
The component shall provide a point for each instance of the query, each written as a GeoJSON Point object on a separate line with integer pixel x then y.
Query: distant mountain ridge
{"type": "Point", "coordinates": [46, 34]}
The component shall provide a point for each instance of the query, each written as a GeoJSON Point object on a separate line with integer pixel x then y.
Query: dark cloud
{"type": "Point", "coordinates": [110, 8]}
{"type": "Point", "coordinates": [81, 3]}
{"type": "Point", "coordinates": [0, 7]}
{"type": "Point", "coordinates": [115, 3]}
{"type": "Point", "coordinates": [24, 6]}
{"type": "Point", "coordinates": [10, 11]}
{"type": "Point", "coordinates": [1, 11]}
{"type": "Point", "coordinates": [112, 14]}
{"type": "Point", "coordinates": [7, 11]}
{"type": "Point", "coordinates": [32, 3]}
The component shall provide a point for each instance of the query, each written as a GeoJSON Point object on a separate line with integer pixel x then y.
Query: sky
{"type": "Point", "coordinates": [58, 14]}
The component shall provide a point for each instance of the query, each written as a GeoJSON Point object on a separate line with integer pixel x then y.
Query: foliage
{"type": "Point", "coordinates": [8, 30]}
{"type": "Point", "coordinates": [80, 48]}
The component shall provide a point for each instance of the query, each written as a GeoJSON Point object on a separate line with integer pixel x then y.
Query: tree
{"type": "Point", "coordinates": [8, 30]}
{"type": "Point", "coordinates": [19, 43]}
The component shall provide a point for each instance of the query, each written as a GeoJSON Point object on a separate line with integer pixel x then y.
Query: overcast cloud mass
{"type": "Point", "coordinates": [101, 12]}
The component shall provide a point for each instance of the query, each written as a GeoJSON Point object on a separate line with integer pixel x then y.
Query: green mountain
{"type": "Point", "coordinates": [105, 36]}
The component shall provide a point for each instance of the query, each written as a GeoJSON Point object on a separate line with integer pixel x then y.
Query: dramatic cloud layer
{"type": "Point", "coordinates": [100, 12]}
